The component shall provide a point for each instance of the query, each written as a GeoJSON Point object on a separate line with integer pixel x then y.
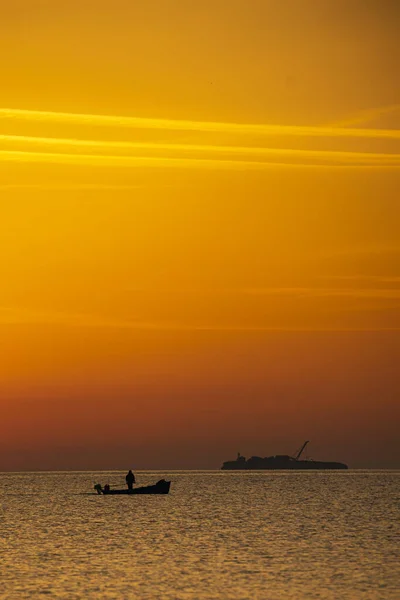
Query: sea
{"type": "Point", "coordinates": [217, 535]}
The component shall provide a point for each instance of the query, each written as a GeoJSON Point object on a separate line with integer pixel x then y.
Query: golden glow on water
{"type": "Point", "coordinates": [216, 535]}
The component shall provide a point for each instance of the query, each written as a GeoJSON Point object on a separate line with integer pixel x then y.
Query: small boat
{"type": "Point", "coordinates": [161, 487]}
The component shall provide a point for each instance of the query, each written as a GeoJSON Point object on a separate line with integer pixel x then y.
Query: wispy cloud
{"type": "Point", "coordinates": [257, 151]}
{"type": "Point", "coordinates": [358, 278]}
{"type": "Point", "coordinates": [186, 125]}
{"type": "Point", "coordinates": [66, 186]}
{"type": "Point", "coordinates": [288, 291]}
{"type": "Point", "coordinates": [315, 292]}
{"type": "Point", "coordinates": [130, 153]}
{"type": "Point", "coordinates": [327, 298]}
{"type": "Point", "coordinates": [22, 316]}
{"type": "Point", "coordinates": [169, 162]}
{"type": "Point", "coordinates": [365, 251]}
{"type": "Point", "coordinates": [366, 116]}
{"type": "Point", "coordinates": [127, 161]}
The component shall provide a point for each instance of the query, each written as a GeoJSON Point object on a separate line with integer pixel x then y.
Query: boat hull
{"type": "Point", "coordinates": [159, 488]}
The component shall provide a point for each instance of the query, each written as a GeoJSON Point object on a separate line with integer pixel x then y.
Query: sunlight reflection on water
{"type": "Point", "coordinates": [216, 535]}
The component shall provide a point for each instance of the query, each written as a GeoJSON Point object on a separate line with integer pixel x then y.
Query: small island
{"type": "Point", "coordinates": [280, 462]}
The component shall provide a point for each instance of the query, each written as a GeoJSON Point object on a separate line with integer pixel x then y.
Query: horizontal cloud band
{"type": "Point", "coordinates": [168, 162]}
{"type": "Point", "coordinates": [330, 155]}
{"type": "Point", "coordinates": [186, 125]}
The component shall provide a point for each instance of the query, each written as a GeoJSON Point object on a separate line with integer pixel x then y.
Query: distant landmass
{"type": "Point", "coordinates": [280, 462]}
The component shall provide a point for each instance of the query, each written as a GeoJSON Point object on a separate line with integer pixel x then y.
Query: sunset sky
{"type": "Point", "coordinates": [199, 232]}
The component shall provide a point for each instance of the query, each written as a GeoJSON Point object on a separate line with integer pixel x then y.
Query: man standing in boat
{"type": "Point", "coordinates": [130, 480]}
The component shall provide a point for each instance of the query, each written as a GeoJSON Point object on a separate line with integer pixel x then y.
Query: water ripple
{"type": "Point", "coordinates": [216, 535]}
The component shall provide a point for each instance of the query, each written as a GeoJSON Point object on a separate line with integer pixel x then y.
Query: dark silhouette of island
{"type": "Point", "coordinates": [279, 462]}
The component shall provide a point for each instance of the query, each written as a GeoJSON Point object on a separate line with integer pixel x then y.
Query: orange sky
{"type": "Point", "coordinates": [199, 233]}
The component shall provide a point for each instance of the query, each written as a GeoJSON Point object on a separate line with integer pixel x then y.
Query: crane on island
{"type": "Point", "coordinates": [300, 452]}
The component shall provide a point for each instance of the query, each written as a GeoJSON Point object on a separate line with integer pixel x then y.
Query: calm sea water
{"type": "Point", "coordinates": [217, 535]}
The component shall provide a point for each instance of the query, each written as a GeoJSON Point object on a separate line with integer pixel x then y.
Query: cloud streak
{"type": "Point", "coordinates": [21, 316]}
{"type": "Point", "coordinates": [200, 126]}
{"type": "Point", "coordinates": [61, 186]}
{"type": "Point", "coordinates": [365, 116]}
{"type": "Point", "coordinates": [169, 162]}
{"type": "Point", "coordinates": [293, 292]}
{"type": "Point", "coordinates": [333, 298]}
{"type": "Point", "coordinates": [327, 155]}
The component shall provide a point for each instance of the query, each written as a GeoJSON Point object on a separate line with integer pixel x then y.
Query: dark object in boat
{"type": "Point", "coordinates": [279, 462]}
{"type": "Point", "coordinates": [161, 487]}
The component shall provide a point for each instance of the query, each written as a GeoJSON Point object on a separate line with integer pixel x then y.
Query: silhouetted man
{"type": "Point", "coordinates": [130, 480]}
